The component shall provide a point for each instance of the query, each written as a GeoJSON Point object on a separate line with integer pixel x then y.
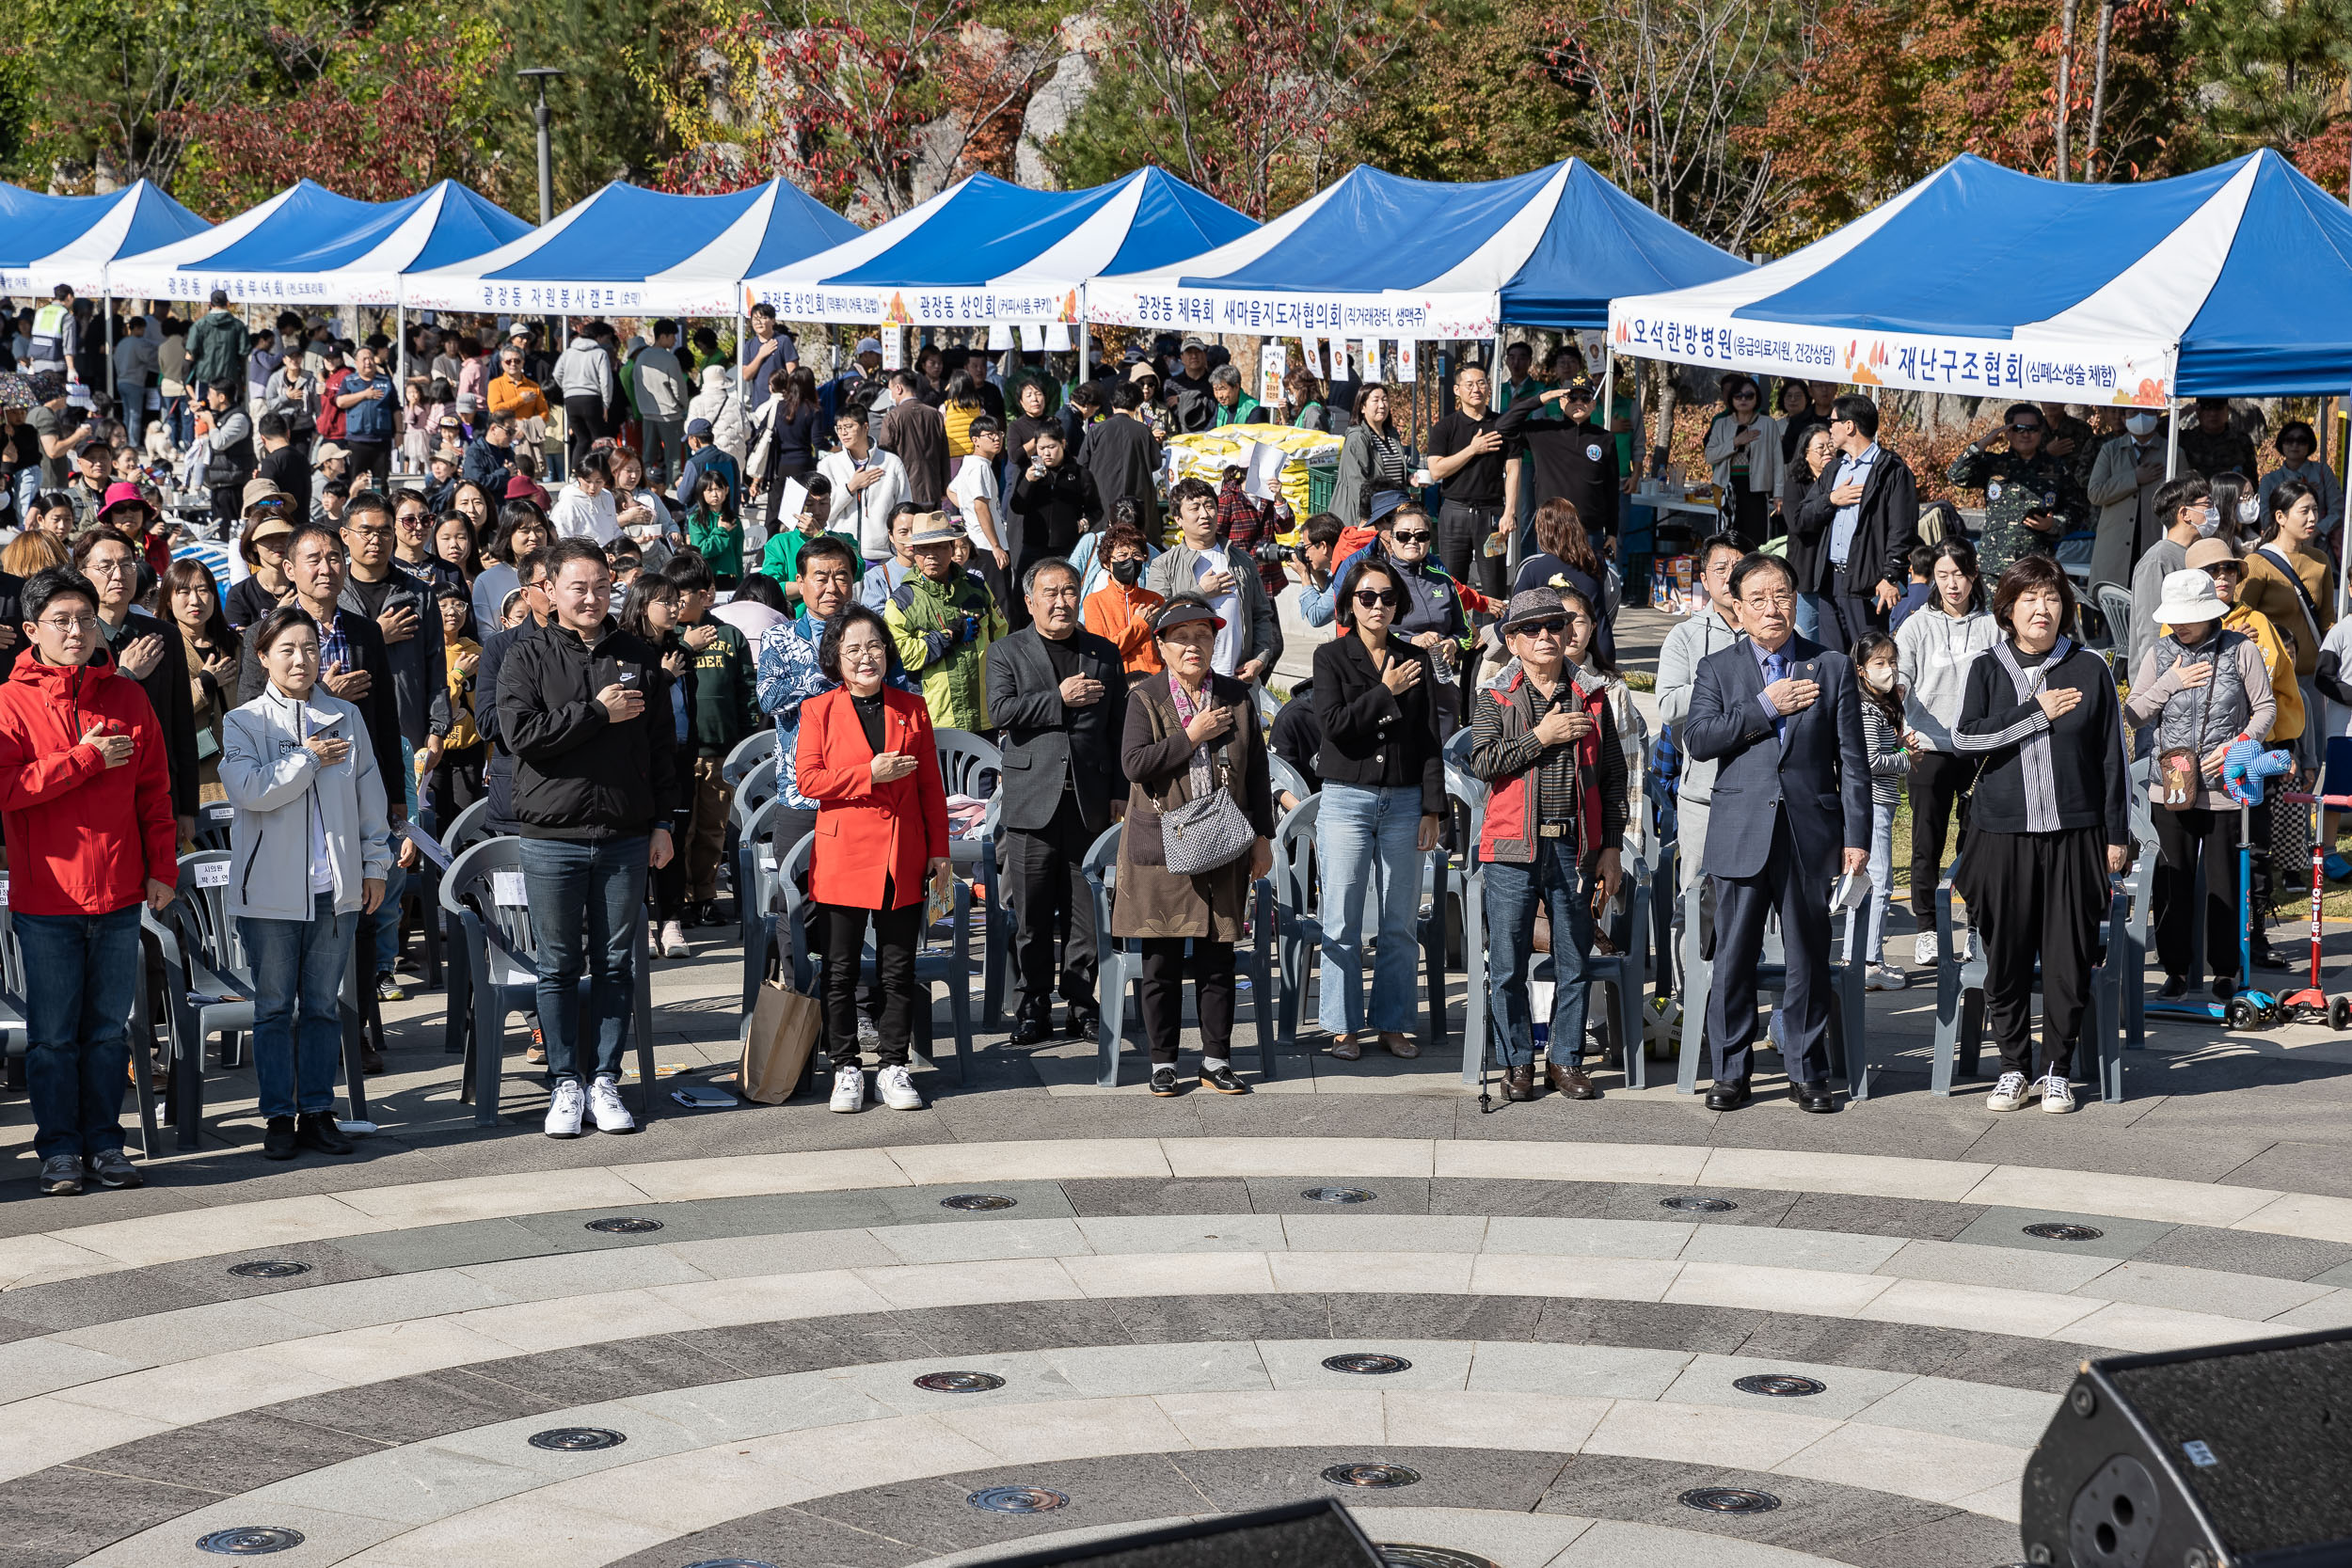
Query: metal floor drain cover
{"type": "Point", "coordinates": [1017, 1500]}
{"type": "Point", "coordinates": [1698, 1205]}
{"type": "Point", "coordinates": [576, 1439]}
{"type": "Point", "coordinates": [1366, 1363]}
{"type": "Point", "coordinates": [624, 1227]}
{"type": "Point", "coordinates": [1398, 1555]}
{"type": "Point", "coordinates": [2055, 1230]}
{"type": "Point", "coordinates": [270, 1268]}
{"type": "Point", "coordinates": [1338, 1195]}
{"type": "Point", "coordinates": [1729, 1500]}
{"type": "Point", "coordinates": [1371, 1475]}
{"type": "Point", "coordinates": [1779, 1385]}
{"type": "Point", "coordinates": [978, 1202]}
{"type": "Point", "coordinates": [251, 1541]}
{"type": "Point", "coordinates": [959, 1382]}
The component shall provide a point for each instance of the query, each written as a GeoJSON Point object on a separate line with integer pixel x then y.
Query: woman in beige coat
{"type": "Point", "coordinates": [1189, 730]}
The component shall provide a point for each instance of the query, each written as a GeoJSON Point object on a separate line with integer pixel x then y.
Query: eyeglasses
{"type": "Point", "coordinates": [113, 567]}
{"type": "Point", "coordinates": [368, 532]}
{"type": "Point", "coordinates": [1417, 537]}
{"type": "Point", "coordinates": [1769, 599]}
{"type": "Point", "coordinates": [1369, 598]}
{"type": "Point", "coordinates": [68, 626]}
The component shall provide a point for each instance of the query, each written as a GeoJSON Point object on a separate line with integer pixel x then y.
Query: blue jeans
{"type": "Point", "coordinates": [297, 990]}
{"type": "Point", "coordinates": [1810, 609]}
{"type": "Point", "coordinates": [379, 933]}
{"type": "Point", "coordinates": [1366, 838]}
{"type": "Point", "coordinates": [587, 904]}
{"type": "Point", "coordinates": [1513, 893]}
{"type": "Point", "coordinates": [80, 971]}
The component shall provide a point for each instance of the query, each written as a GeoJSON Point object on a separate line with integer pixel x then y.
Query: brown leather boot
{"type": "Point", "coordinates": [1570, 1081]}
{"type": "Point", "coordinates": [1519, 1082]}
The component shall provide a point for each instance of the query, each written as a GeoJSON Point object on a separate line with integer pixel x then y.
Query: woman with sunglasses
{"type": "Point", "coordinates": [1383, 797]}
{"type": "Point", "coordinates": [1744, 447]}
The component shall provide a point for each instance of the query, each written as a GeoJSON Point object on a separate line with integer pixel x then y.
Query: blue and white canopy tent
{"type": "Point", "coordinates": [630, 251]}
{"type": "Point", "coordinates": [1980, 281]}
{"type": "Point", "coordinates": [1376, 255]}
{"type": "Point", "coordinates": [308, 246]}
{"type": "Point", "coordinates": [985, 253]}
{"type": "Point", "coordinates": [49, 240]}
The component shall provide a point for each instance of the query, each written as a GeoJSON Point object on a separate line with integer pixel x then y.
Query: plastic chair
{"type": "Point", "coordinates": [1119, 963]}
{"type": "Point", "coordinates": [970, 765]}
{"type": "Point", "coordinates": [498, 951]}
{"type": "Point", "coordinates": [756, 899]}
{"type": "Point", "coordinates": [211, 824]}
{"type": "Point", "coordinates": [1960, 997]}
{"type": "Point", "coordinates": [757, 787]}
{"type": "Point", "coordinates": [1297, 890]}
{"type": "Point", "coordinates": [470, 827]}
{"type": "Point", "coordinates": [208, 990]}
{"type": "Point", "coordinates": [748, 754]}
{"type": "Point", "coordinates": [1849, 1043]}
{"type": "Point", "coordinates": [1285, 777]}
{"type": "Point", "coordinates": [15, 1037]}
{"type": "Point", "coordinates": [951, 967]}
{"type": "Point", "coordinates": [2115, 608]}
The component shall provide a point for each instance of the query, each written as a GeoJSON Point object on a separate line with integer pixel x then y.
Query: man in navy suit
{"type": "Point", "coordinates": [1783, 719]}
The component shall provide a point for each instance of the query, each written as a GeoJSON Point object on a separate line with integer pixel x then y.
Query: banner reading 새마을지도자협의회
{"type": "Point", "coordinates": [2025, 366]}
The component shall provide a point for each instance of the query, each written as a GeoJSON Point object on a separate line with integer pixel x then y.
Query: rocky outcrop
{"type": "Point", "coordinates": [1058, 97]}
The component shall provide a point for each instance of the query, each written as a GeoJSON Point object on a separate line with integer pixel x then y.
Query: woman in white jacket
{"type": "Point", "coordinates": [719, 403]}
{"type": "Point", "coordinates": [1744, 449]}
{"type": "Point", "coordinates": [308, 850]}
{"type": "Point", "coordinates": [1935, 647]}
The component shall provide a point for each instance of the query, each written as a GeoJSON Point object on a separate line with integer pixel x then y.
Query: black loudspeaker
{"type": "Point", "coordinates": [1317, 1534]}
{"type": "Point", "coordinates": [2228, 1456]}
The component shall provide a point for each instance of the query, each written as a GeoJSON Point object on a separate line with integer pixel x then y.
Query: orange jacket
{"type": "Point", "coordinates": [1121, 615]}
{"type": "Point", "coordinates": [520, 397]}
{"type": "Point", "coordinates": [83, 837]}
{"type": "Point", "coordinates": [866, 832]}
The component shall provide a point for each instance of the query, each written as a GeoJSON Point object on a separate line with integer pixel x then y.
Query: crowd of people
{"type": "Point", "coordinates": [976, 544]}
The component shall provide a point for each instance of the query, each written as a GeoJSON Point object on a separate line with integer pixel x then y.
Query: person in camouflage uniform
{"type": "Point", "coordinates": [942, 619]}
{"type": "Point", "coordinates": [2211, 445]}
{"type": "Point", "coordinates": [2070, 440]}
{"type": "Point", "coordinates": [2020, 463]}
{"type": "Point", "coordinates": [2019, 522]}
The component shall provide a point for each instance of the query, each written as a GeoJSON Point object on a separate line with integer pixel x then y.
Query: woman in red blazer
{"type": "Point", "coordinates": [867, 759]}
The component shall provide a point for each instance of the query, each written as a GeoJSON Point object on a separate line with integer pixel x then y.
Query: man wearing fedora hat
{"type": "Point", "coordinates": [942, 619]}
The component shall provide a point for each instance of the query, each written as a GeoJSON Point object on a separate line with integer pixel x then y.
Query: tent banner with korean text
{"type": "Point", "coordinates": [2235, 280]}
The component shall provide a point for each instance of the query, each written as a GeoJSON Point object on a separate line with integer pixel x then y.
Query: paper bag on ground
{"type": "Point", "coordinates": [785, 1027]}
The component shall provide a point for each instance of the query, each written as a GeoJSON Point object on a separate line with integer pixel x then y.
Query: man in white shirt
{"type": "Point", "coordinates": [867, 482]}
{"type": "Point", "coordinates": [975, 495]}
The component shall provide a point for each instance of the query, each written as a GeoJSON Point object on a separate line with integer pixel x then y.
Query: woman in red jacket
{"type": "Point", "coordinates": [867, 758]}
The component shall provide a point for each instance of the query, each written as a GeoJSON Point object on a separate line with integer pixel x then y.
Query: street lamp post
{"type": "Point", "coordinates": [539, 74]}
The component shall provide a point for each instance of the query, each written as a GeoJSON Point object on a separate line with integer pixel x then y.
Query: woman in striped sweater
{"type": "Point", "coordinates": [2047, 826]}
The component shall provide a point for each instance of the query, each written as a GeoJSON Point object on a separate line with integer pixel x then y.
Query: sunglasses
{"type": "Point", "coordinates": [1416, 537]}
{"type": "Point", "coordinates": [2027, 429]}
{"type": "Point", "coordinates": [1542, 628]}
{"type": "Point", "coordinates": [1369, 598]}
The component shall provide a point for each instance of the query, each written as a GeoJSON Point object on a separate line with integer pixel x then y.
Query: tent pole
{"type": "Point", "coordinates": [2172, 441]}
{"type": "Point", "coordinates": [400, 348]}
{"type": "Point", "coordinates": [107, 306]}
{"type": "Point", "coordinates": [2344, 534]}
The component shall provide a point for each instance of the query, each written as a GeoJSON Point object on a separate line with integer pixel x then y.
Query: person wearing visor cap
{"type": "Point", "coordinates": [942, 619]}
{"type": "Point", "coordinates": [1189, 731]}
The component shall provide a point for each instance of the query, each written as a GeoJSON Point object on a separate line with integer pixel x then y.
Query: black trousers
{"type": "Point", "coordinates": [1751, 514]}
{"type": "Point", "coordinates": [2182, 837]}
{"type": "Point", "coordinates": [370, 459]}
{"type": "Point", "coordinates": [1855, 613]}
{"type": "Point", "coordinates": [583, 427]}
{"type": "Point", "coordinates": [1161, 994]}
{"type": "Point", "coordinates": [843, 934]}
{"type": "Point", "coordinates": [1045, 880]}
{"type": "Point", "coordinates": [2037, 897]}
{"type": "Point", "coordinates": [1462, 533]}
{"type": "Point", "coordinates": [1939, 782]}
{"type": "Point", "coordinates": [1800, 897]}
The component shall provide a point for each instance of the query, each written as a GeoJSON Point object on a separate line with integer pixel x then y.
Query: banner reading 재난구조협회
{"type": "Point", "coordinates": [1424, 317]}
{"type": "Point", "coordinates": [2061, 370]}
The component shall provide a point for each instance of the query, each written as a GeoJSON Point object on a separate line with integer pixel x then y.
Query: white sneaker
{"type": "Point", "coordinates": [2008, 1094]}
{"type": "Point", "coordinates": [849, 1088]}
{"type": "Point", "coordinates": [604, 1104]}
{"type": "Point", "coordinates": [1923, 948]}
{"type": "Point", "coordinates": [868, 1035]}
{"type": "Point", "coordinates": [565, 1107]}
{"type": "Point", "coordinates": [1880, 977]}
{"type": "Point", "coordinates": [1963, 942]}
{"type": "Point", "coordinates": [897, 1089]}
{"type": "Point", "coordinates": [2058, 1095]}
{"type": "Point", "coordinates": [673, 944]}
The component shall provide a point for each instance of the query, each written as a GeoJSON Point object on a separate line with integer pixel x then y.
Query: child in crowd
{"type": "Point", "coordinates": [1875, 660]}
{"type": "Point", "coordinates": [1921, 590]}
{"type": "Point", "coordinates": [781, 562]}
{"type": "Point", "coordinates": [449, 764]}
{"type": "Point", "coordinates": [713, 532]}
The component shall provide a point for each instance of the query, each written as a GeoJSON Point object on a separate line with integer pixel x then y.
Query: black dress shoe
{"type": "Point", "coordinates": [371, 1060]}
{"type": "Point", "coordinates": [278, 1140]}
{"type": "Point", "coordinates": [1519, 1082]}
{"type": "Point", "coordinates": [1085, 1024]}
{"type": "Point", "coordinates": [2224, 986]}
{"type": "Point", "coordinates": [2266, 958]}
{"type": "Point", "coordinates": [1570, 1081]}
{"type": "Point", "coordinates": [1223, 1081]}
{"type": "Point", "coordinates": [1033, 1026]}
{"type": "Point", "coordinates": [1728, 1097]}
{"type": "Point", "coordinates": [1816, 1098]}
{"type": "Point", "coordinates": [317, 1129]}
{"type": "Point", "coordinates": [2173, 989]}
{"type": "Point", "coordinates": [1164, 1082]}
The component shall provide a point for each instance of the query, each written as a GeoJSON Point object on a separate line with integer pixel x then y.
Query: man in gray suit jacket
{"type": "Point", "coordinates": [1060, 692]}
{"type": "Point", "coordinates": [1782, 719]}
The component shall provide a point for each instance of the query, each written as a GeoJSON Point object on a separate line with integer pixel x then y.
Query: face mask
{"type": "Point", "coordinates": [2250, 511]}
{"type": "Point", "coordinates": [2211, 524]}
{"type": "Point", "coordinates": [2139, 424]}
{"type": "Point", "coordinates": [1128, 572]}
{"type": "Point", "coordinates": [1877, 677]}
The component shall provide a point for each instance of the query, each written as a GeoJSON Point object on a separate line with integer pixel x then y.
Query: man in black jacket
{"type": "Point", "coordinates": [1061, 693]}
{"type": "Point", "coordinates": [1850, 545]}
{"type": "Point", "coordinates": [595, 781]}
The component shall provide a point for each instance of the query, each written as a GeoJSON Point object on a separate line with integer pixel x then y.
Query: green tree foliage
{"type": "Point", "coordinates": [2275, 73]}
{"type": "Point", "coordinates": [1471, 95]}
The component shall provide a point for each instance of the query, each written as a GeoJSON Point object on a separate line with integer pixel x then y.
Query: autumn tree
{"type": "Point", "coordinates": [1472, 94]}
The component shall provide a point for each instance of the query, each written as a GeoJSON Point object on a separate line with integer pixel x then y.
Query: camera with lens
{"type": "Point", "coordinates": [1273, 552]}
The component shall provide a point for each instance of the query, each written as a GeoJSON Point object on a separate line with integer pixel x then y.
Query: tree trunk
{"type": "Point", "coordinates": [1663, 451]}
{"type": "Point", "coordinates": [2065, 79]}
{"type": "Point", "coordinates": [2098, 89]}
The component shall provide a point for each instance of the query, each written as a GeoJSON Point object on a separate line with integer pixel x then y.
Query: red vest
{"type": "Point", "coordinates": [1509, 834]}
